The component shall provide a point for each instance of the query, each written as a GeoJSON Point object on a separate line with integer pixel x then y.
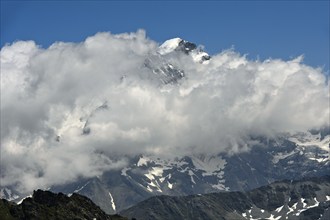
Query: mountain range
{"type": "Point", "coordinates": [305, 199]}
{"type": "Point", "coordinates": [284, 156]}
{"type": "Point", "coordinates": [290, 157]}
{"type": "Point", "coordinates": [308, 198]}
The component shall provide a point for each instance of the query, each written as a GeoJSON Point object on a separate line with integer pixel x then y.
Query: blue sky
{"type": "Point", "coordinates": [264, 29]}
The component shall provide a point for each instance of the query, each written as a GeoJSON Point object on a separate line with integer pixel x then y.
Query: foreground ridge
{"type": "Point", "coordinates": [48, 205]}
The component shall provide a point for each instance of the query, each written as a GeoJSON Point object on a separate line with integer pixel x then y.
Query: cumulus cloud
{"type": "Point", "coordinates": [78, 109]}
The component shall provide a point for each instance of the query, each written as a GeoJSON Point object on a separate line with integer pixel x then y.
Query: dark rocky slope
{"type": "Point", "coordinates": [305, 199]}
{"type": "Point", "coordinates": [48, 205]}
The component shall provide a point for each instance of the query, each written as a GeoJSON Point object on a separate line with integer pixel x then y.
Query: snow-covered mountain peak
{"type": "Point", "coordinates": [162, 65]}
{"type": "Point", "coordinates": [169, 45]}
{"type": "Point", "coordinates": [178, 44]}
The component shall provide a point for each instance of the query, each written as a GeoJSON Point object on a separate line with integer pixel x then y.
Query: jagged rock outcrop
{"type": "Point", "coordinates": [48, 205]}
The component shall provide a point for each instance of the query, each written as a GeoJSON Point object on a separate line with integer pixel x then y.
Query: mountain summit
{"type": "Point", "coordinates": [178, 44]}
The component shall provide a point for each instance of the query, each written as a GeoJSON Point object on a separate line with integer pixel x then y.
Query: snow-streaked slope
{"type": "Point", "coordinates": [149, 175]}
{"type": "Point", "coordinates": [308, 139]}
{"type": "Point", "coordinates": [8, 194]}
{"type": "Point", "coordinates": [286, 211]}
{"type": "Point", "coordinates": [301, 199]}
{"type": "Point", "coordinates": [209, 164]}
{"type": "Point", "coordinates": [311, 146]}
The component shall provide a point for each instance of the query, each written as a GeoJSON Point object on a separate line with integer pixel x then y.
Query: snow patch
{"type": "Point", "coordinates": [272, 217]}
{"type": "Point", "coordinates": [158, 171]}
{"type": "Point", "coordinates": [143, 161]}
{"type": "Point", "coordinates": [209, 164]}
{"type": "Point", "coordinates": [191, 174]}
{"type": "Point", "coordinates": [79, 189]}
{"type": "Point", "coordinates": [320, 160]}
{"type": "Point", "coordinates": [247, 214]}
{"type": "Point", "coordinates": [19, 202]}
{"type": "Point", "coordinates": [308, 139]}
{"type": "Point", "coordinates": [154, 172]}
{"type": "Point", "coordinates": [316, 203]}
{"type": "Point", "coordinates": [303, 202]}
{"type": "Point", "coordinates": [124, 171]}
{"type": "Point", "coordinates": [112, 202]}
{"type": "Point", "coordinates": [220, 187]}
{"type": "Point", "coordinates": [308, 207]}
{"type": "Point", "coordinates": [292, 208]}
{"type": "Point", "coordinates": [295, 205]}
{"type": "Point", "coordinates": [279, 208]}
{"type": "Point", "coordinates": [280, 156]}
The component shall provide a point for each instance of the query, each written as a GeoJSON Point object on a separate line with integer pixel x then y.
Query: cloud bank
{"type": "Point", "coordinates": [78, 109]}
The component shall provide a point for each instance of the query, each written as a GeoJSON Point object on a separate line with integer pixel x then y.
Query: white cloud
{"type": "Point", "coordinates": [101, 102]}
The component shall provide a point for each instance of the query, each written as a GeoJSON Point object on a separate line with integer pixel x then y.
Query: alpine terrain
{"type": "Point", "coordinates": [305, 199]}
{"type": "Point", "coordinates": [203, 183]}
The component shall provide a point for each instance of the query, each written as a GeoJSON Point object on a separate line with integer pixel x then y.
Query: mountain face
{"type": "Point", "coordinates": [305, 199]}
{"type": "Point", "coordinates": [308, 198]}
{"type": "Point", "coordinates": [287, 156]}
{"type": "Point", "coordinates": [166, 71]}
{"type": "Point", "coordinates": [47, 205]}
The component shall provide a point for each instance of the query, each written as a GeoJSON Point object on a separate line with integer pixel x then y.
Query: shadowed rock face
{"type": "Point", "coordinates": [48, 205]}
{"type": "Point", "coordinates": [186, 46]}
{"type": "Point", "coordinates": [165, 71]}
{"type": "Point", "coordinates": [305, 199]}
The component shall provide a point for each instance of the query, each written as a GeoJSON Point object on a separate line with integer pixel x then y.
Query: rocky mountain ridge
{"type": "Point", "coordinates": [305, 199]}
{"type": "Point", "coordinates": [48, 205]}
{"type": "Point", "coordinates": [308, 198]}
{"type": "Point", "coordinates": [287, 157]}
